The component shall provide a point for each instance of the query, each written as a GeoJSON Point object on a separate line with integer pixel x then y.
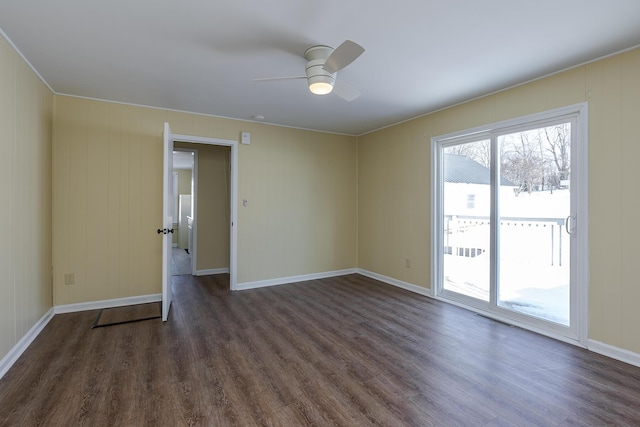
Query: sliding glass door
{"type": "Point", "coordinates": [505, 222]}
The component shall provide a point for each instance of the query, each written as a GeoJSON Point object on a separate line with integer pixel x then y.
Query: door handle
{"type": "Point", "coordinates": [566, 225]}
{"type": "Point", "coordinates": [165, 230]}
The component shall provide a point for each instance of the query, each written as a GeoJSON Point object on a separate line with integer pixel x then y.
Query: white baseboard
{"type": "Point", "coordinates": [614, 352]}
{"type": "Point", "coordinates": [293, 279]}
{"type": "Point", "coordinates": [97, 305]}
{"type": "Point", "coordinates": [10, 358]}
{"type": "Point", "coordinates": [398, 283]}
{"type": "Point", "coordinates": [211, 271]}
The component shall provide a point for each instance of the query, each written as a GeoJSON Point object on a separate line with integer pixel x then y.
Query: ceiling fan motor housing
{"type": "Point", "coordinates": [320, 81]}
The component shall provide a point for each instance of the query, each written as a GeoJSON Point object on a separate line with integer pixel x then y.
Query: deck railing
{"type": "Point", "coordinates": [457, 224]}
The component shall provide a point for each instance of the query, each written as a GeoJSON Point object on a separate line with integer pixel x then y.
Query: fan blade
{"type": "Point", "coordinates": [269, 79]}
{"type": "Point", "coordinates": [342, 56]}
{"type": "Point", "coordinates": [345, 91]}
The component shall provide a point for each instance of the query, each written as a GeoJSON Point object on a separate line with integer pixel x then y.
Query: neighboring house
{"type": "Point", "coordinates": [466, 186]}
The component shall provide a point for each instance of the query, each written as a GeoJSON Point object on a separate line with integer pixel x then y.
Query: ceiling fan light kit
{"type": "Point", "coordinates": [323, 64]}
{"type": "Point", "coordinates": [320, 80]}
{"type": "Point", "coordinates": [320, 85]}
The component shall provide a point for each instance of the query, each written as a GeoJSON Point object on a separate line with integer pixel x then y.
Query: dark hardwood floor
{"type": "Point", "coordinates": [346, 351]}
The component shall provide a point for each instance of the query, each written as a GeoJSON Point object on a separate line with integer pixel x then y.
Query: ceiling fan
{"type": "Point", "coordinates": [323, 64]}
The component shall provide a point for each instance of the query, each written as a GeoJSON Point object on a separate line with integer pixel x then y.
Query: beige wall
{"type": "Point", "coordinates": [614, 205]}
{"type": "Point", "coordinates": [213, 206]}
{"type": "Point", "coordinates": [107, 175]}
{"type": "Point", "coordinates": [184, 180]}
{"type": "Point", "coordinates": [394, 182]}
{"type": "Point", "coordinates": [107, 162]}
{"type": "Point", "coordinates": [301, 197]}
{"type": "Point", "coordinates": [25, 198]}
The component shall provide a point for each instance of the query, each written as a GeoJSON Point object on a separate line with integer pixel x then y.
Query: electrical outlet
{"type": "Point", "coordinates": [69, 279]}
{"type": "Point", "coordinates": [407, 263]}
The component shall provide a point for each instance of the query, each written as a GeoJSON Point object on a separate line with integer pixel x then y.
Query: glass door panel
{"type": "Point", "coordinates": [534, 205]}
{"type": "Point", "coordinates": [466, 225]}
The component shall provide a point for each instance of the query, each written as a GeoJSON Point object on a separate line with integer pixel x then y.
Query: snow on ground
{"type": "Point", "coordinates": [534, 261]}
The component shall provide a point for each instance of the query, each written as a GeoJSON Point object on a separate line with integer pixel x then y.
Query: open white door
{"type": "Point", "coordinates": [167, 222]}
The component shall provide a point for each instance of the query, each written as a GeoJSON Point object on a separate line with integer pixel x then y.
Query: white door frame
{"type": "Point", "coordinates": [233, 200]}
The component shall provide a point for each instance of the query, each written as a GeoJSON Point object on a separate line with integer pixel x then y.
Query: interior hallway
{"type": "Point", "coordinates": [181, 262]}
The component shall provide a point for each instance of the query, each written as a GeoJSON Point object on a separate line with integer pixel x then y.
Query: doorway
{"type": "Point", "coordinates": [232, 152]}
{"type": "Point", "coordinates": [204, 219]}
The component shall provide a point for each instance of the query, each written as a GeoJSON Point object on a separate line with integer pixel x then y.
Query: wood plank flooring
{"type": "Point", "coordinates": [345, 351]}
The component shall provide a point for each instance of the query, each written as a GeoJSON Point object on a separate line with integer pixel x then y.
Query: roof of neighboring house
{"type": "Point", "coordinates": [464, 170]}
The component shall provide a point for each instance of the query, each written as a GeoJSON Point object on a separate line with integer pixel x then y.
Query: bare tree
{"type": "Point", "coordinates": [521, 161]}
{"type": "Point", "coordinates": [483, 153]}
{"type": "Point", "coordinates": [537, 159]}
{"type": "Point", "coordinates": [558, 139]}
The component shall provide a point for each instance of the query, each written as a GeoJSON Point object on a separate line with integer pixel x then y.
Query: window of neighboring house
{"type": "Point", "coordinates": [471, 201]}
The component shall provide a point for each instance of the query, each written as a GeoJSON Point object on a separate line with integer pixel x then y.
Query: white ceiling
{"type": "Point", "coordinates": [201, 56]}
